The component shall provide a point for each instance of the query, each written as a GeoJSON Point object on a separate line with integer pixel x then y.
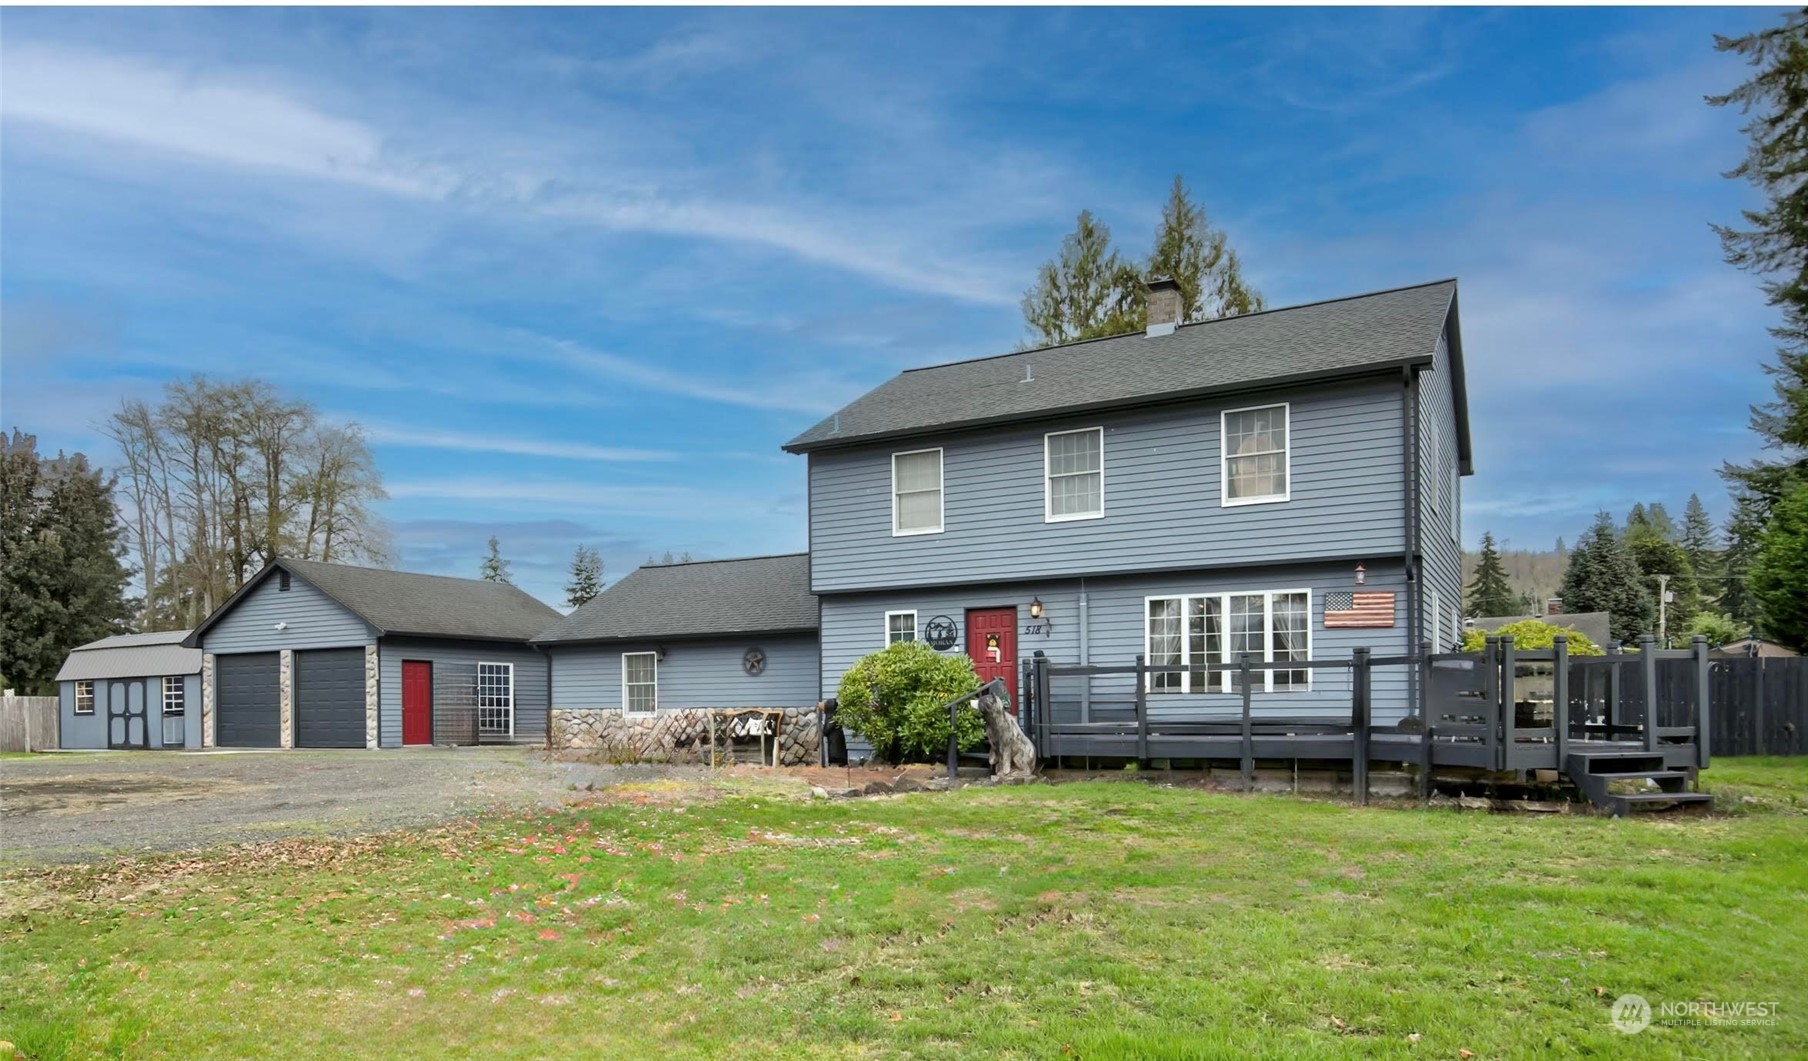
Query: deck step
{"type": "Point", "coordinates": [1596, 774]}
{"type": "Point", "coordinates": [1667, 797]}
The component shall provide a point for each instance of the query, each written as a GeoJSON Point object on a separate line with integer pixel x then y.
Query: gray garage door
{"type": "Point", "coordinates": [329, 698]}
{"type": "Point", "coordinates": [249, 714]}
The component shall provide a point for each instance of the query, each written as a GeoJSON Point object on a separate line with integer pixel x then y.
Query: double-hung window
{"type": "Point", "coordinates": [175, 699]}
{"type": "Point", "coordinates": [496, 699]}
{"type": "Point", "coordinates": [1273, 626]}
{"type": "Point", "coordinates": [640, 683]}
{"type": "Point", "coordinates": [1255, 458]}
{"type": "Point", "coordinates": [900, 626]}
{"type": "Point", "coordinates": [1073, 471]}
{"type": "Point", "coordinates": [916, 492]}
{"type": "Point", "coordinates": [84, 698]}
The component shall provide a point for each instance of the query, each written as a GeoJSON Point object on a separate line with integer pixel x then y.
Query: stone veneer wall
{"type": "Point", "coordinates": [207, 712]}
{"type": "Point", "coordinates": [285, 696]}
{"type": "Point", "coordinates": [681, 735]}
{"type": "Point", "coordinates": [371, 699]}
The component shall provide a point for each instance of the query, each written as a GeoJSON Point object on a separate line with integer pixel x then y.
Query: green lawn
{"type": "Point", "coordinates": [1096, 920]}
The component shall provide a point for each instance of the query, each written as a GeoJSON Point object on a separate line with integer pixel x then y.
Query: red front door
{"type": "Point", "coordinates": [417, 702]}
{"type": "Point", "coordinates": [992, 644]}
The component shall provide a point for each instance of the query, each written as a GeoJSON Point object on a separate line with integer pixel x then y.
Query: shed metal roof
{"type": "Point", "coordinates": [409, 603]}
{"type": "Point", "coordinates": [150, 655]}
{"type": "Point", "coordinates": [757, 594]}
{"type": "Point", "coordinates": [1322, 340]}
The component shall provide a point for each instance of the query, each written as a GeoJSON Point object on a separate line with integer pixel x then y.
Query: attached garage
{"type": "Point", "coordinates": [329, 698]}
{"type": "Point", "coordinates": [249, 701]}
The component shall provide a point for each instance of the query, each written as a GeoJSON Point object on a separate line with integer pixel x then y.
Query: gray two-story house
{"type": "Point", "coordinates": [1284, 483]}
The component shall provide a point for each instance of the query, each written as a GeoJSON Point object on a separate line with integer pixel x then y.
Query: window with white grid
{"type": "Point", "coordinates": [175, 698]}
{"type": "Point", "coordinates": [496, 699]}
{"type": "Point", "coordinates": [900, 626]}
{"type": "Point", "coordinates": [1273, 626]}
{"type": "Point", "coordinates": [1255, 455]}
{"type": "Point", "coordinates": [1074, 472]}
{"type": "Point", "coordinates": [84, 698]}
{"type": "Point", "coordinates": [640, 683]}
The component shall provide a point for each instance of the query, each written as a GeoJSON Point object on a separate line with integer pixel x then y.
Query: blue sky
{"type": "Point", "coordinates": [580, 273]}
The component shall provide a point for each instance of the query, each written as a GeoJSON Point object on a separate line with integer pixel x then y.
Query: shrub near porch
{"type": "Point", "coordinates": [1098, 920]}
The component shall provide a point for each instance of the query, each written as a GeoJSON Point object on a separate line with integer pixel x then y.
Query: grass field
{"type": "Point", "coordinates": [1093, 920]}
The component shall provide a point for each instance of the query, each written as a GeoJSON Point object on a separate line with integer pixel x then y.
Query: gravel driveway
{"type": "Point", "coordinates": [66, 808]}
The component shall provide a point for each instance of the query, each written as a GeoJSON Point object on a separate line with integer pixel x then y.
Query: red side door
{"type": "Point", "coordinates": [417, 702]}
{"type": "Point", "coordinates": [992, 644]}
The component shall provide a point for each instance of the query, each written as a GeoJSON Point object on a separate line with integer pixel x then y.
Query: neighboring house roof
{"type": "Point", "coordinates": [132, 656]}
{"type": "Point", "coordinates": [1596, 626]}
{"type": "Point", "coordinates": [753, 595]}
{"type": "Point", "coordinates": [405, 602]}
{"type": "Point", "coordinates": [1745, 647]}
{"type": "Point", "coordinates": [1359, 335]}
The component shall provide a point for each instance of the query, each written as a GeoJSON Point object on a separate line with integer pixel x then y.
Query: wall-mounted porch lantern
{"type": "Point", "coordinates": [1362, 575]}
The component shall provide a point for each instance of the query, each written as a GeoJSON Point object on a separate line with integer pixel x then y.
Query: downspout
{"type": "Point", "coordinates": [1410, 495]}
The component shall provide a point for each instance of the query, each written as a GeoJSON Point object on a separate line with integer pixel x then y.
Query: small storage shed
{"type": "Point", "coordinates": [131, 691]}
{"type": "Point", "coordinates": [318, 655]}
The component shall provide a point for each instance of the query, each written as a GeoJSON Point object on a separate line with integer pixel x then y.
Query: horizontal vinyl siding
{"type": "Point", "coordinates": [90, 731]}
{"type": "Point", "coordinates": [531, 693]}
{"type": "Point", "coordinates": [1162, 498]}
{"type": "Point", "coordinates": [314, 621]}
{"type": "Point", "coordinates": [1440, 548]}
{"type": "Point", "coordinates": [692, 674]}
{"type": "Point", "coordinates": [853, 625]}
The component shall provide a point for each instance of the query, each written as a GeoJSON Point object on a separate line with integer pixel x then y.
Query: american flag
{"type": "Point", "coordinates": [1358, 609]}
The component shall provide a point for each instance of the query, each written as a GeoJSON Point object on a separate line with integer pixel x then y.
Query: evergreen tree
{"type": "Point", "coordinates": [1779, 571]}
{"type": "Point", "coordinates": [1698, 539]}
{"type": "Point", "coordinates": [1744, 528]}
{"type": "Point", "coordinates": [62, 579]}
{"type": "Point", "coordinates": [1489, 594]}
{"type": "Point", "coordinates": [1774, 242]}
{"type": "Point", "coordinates": [495, 568]}
{"type": "Point", "coordinates": [1636, 521]}
{"type": "Point", "coordinates": [1086, 292]}
{"type": "Point", "coordinates": [1660, 522]}
{"type": "Point", "coordinates": [1198, 258]}
{"type": "Point", "coordinates": [586, 577]}
{"type": "Point", "coordinates": [1603, 577]}
{"type": "Point", "coordinates": [1657, 555]}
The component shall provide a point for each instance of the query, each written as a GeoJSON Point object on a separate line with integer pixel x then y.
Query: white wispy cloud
{"type": "Point", "coordinates": [811, 394]}
{"type": "Point", "coordinates": [526, 447]}
{"type": "Point", "coordinates": [232, 119]}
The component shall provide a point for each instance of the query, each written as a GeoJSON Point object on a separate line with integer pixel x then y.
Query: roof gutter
{"type": "Point", "coordinates": [1383, 369]}
{"type": "Point", "coordinates": [641, 639]}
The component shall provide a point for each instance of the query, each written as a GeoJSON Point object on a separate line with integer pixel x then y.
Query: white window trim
{"type": "Point", "coordinates": [181, 690]}
{"type": "Point", "coordinates": [1437, 620]}
{"type": "Point", "coordinates": [1048, 479]}
{"type": "Point", "coordinates": [941, 515]}
{"type": "Point", "coordinates": [1224, 455]}
{"type": "Point", "coordinates": [481, 664]}
{"type": "Point", "coordinates": [885, 632]}
{"type": "Point", "coordinates": [626, 709]}
{"type": "Point", "coordinates": [78, 696]}
{"type": "Point", "coordinates": [1268, 666]}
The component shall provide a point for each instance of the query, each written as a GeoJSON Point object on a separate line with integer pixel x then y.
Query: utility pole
{"type": "Point", "coordinates": [1663, 610]}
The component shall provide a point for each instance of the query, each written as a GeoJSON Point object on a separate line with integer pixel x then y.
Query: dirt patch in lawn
{"type": "Point", "coordinates": [87, 795]}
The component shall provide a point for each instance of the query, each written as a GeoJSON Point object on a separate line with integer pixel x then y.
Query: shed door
{"type": "Point", "coordinates": [249, 714]}
{"type": "Point", "coordinates": [992, 645]}
{"type": "Point", "coordinates": [329, 698]}
{"type": "Point", "coordinates": [417, 701]}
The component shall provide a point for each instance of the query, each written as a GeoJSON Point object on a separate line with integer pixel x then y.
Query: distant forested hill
{"type": "Point", "coordinates": [1534, 574]}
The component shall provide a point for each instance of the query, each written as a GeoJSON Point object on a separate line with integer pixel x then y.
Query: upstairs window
{"type": "Point", "coordinates": [1073, 467]}
{"type": "Point", "coordinates": [640, 683]}
{"type": "Point", "coordinates": [175, 699]}
{"type": "Point", "coordinates": [1255, 457]}
{"type": "Point", "coordinates": [900, 626]}
{"type": "Point", "coordinates": [84, 698]}
{"type": "Point", "coordinates": [916, 492]}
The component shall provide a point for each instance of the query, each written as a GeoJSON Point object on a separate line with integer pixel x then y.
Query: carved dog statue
{"type": "Point", "coordinates": [1012, 753]}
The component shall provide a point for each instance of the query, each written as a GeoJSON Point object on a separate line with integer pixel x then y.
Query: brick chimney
{"type": "Point", "coordinates": [1164, 306]}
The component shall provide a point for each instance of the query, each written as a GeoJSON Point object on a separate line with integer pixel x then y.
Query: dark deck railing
{"type": "Point", "coordinates": [1500, 710]}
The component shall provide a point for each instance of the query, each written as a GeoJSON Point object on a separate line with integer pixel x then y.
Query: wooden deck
{"type": "Point", "coordinates": [1500, 712]}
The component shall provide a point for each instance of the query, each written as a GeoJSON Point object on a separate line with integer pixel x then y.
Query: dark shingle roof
{"type": "Point", "coordinates": [1348, 336]}
{"type": "Point", "coordinates": [403, 602]}
{"type": "Point", "coordinates": [758, 594]}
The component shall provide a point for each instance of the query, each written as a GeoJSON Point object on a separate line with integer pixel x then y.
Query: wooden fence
{"type": "Point", "coordinates": [1760, 706]}
{"type": "Point", "coordinates": [28, 723]}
